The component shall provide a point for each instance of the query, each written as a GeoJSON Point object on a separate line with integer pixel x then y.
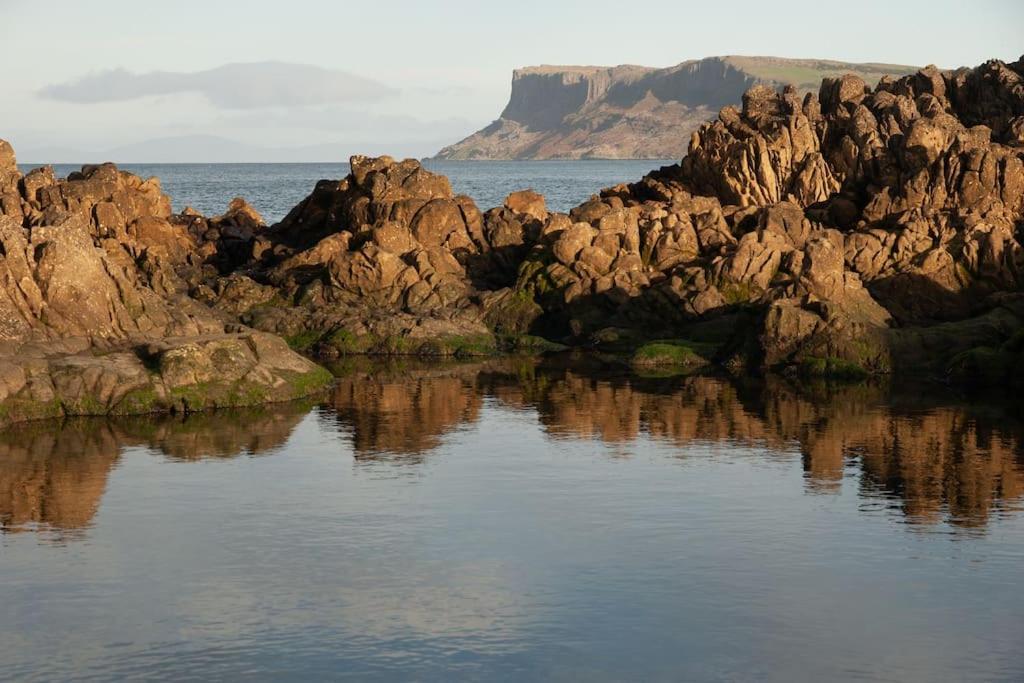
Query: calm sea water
{"type": "Point", "coordinates": [275, 188]}
{"type": "Point", "coordinates": [504, 521]}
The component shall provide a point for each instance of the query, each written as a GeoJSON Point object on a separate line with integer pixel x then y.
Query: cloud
{"type": "Point", "coordinates": [232, 86]}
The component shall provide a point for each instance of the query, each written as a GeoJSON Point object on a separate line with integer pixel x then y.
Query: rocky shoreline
{"type": "Point", "coordinates": [95, 318]}
{"type": "Point", "coordinates": [854, 232]}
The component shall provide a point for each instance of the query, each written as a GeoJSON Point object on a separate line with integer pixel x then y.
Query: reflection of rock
{"type": "Point", "coordinates": [54, 474]}
{"type": "Point", "coordinates": [54, 477]}
{"type": "Point", "coordinates": [219, 434]}
{"type": "Point", "coordinates": [941, 461]}
{"type": "Point", "coordinates": [933, 457]}
{"type": "Point", "coordinates": [944, 462]}
{"type": "Point", "coordinates": [405, 412]}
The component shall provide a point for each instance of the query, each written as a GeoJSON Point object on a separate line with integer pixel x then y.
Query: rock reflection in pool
{"type": "Point", "coordinates": [940, 458]}
{"type": "Point", "coordinates": [509, 520]}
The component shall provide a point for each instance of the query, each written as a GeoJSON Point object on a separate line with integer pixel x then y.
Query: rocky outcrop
{"type": "Point", "coordinates": [843, 219]}
{"type": "Point", "coordinates": [387, 260]}
{"type": "Point", "coordinates": [850, 231]}
{"type": "Point", "coordinates": [95, 316]}
{"type": "Point", "coordinates": [837, 231]}
{"type": "Point", "coordinates": [633, 112]}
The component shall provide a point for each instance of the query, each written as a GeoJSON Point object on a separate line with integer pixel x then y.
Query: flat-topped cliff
{"type": "Point", "coordinates": [634, 112]}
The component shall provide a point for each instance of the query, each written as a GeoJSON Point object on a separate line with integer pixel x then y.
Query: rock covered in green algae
{"type": "Point", "coordinates": [168, 375]}
{"type": "Point", "coordinates": [669, 356]}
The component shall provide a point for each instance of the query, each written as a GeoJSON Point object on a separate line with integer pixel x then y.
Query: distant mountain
{"type": "Point", "coordinates": [634, 112]}
{"type": "Point", "coordinates": [215, 149]}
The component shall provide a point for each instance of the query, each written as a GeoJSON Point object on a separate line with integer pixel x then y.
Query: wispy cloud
{"type": "Point", "coordinates": [232, 86]}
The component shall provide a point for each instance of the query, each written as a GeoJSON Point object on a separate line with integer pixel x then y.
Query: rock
{"type": "Point", "coordinates": [438, 219]}
{"type": "Point", "coordinates": [847, 92]}
{"type": "Point", "coordinates": [819, 233]}
{"type": "Point", "coordinates": [170, 374]}
{"type": "Point", "coordinates": [834, 219]}
{"type": "Point", "coordinates": [572, 241]}
{"type": "Point", "coordinates": [92, 276]}
{"type": "Point", "coordinates": [628, 112]}
{"type": "Point", "coordinates": [527, 202]}
{"type": "Point", "coordinates": [387, 252]}
{"type": "Point", "coordinates": [8, 161]}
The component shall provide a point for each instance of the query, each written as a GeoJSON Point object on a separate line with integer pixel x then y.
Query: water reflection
{"type": "Point", "coordinates": [934, 458]}
{"type": "Point", "coordinates": [54, 474]}
{"type": "Point", "coordinates": [403, 409]}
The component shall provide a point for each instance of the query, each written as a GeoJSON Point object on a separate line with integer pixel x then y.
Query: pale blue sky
{"type": "Point", "coordinates": [443, 67]}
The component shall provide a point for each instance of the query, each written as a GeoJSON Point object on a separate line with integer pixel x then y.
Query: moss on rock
{"type": "Point", "coordinates": [831, 367]}
{"type": "Point", "coordinates": [674, 354]}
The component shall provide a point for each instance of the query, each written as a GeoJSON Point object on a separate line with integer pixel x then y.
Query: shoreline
{"type": "Point", "coordinates": [854, 233]}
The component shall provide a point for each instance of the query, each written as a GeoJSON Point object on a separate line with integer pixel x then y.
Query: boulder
{"type": "Point", "coordinates": [527, 202]}
{"type": "Point", "coordinates": [91, 280]}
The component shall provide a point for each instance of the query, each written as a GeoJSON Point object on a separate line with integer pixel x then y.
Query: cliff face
{"type": "Point", "coordinates": [574, 112]}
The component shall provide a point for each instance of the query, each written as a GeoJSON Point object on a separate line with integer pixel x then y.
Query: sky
{"type": "Point", "coordinates": [319, 81]}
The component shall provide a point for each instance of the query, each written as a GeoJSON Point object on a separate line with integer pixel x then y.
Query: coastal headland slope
{"type": "Point", "coordinates": [635, 112]}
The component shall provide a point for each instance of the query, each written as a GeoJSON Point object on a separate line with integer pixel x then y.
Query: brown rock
{"type": "Point", "coordinates": [572, 241]}
{"type": "Point", "coordinates": [436, 221]}
{"type": "Point", "coordinates": [527, 202]}
{"type": "Point", "coordinates": [88, 288]}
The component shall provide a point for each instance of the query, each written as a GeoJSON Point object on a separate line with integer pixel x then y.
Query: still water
{"type": "Point", "coordinates": [514, 521]}
{"type": "Point", "coordinates": [275, 188]}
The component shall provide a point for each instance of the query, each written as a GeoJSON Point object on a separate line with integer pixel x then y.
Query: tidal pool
{"type": "Point", "coordinates": [513, 521]}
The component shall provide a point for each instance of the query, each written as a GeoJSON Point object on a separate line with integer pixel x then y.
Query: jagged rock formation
{"type": "Point", "coordinates": [835, 217]}
{"type": "Point", "coordinates": [633, 112]}
{"type": "Point", "coordinates": [385, 260]}
{"type": "Point", "coordinates": [853, 230]}
{"type": "Point", "coordinates": [95, 316]}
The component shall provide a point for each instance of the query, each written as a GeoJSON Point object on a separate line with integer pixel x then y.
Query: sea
{"type": "Point", "coordinates": [515, 519]}
{"type": "Point", "coordinates": [273, 189]}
